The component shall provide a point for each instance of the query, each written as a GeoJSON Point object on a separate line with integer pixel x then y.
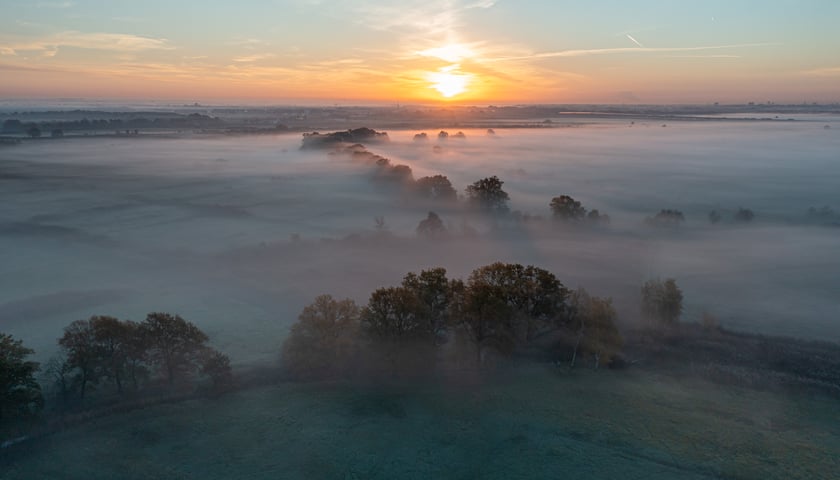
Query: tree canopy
{"type": "Point", "coordinates": [20, 394]}
{"type": "Point", "coordinates": [662, 301]}
{"type": "Point", "coordinates": [175, 346]}
{"type": "Point", "coordinates": [567, 209]}
{"type": "Point", "coordinates": [431, 227]}
{"type": "Point", "coordinates": [487, 195]}
{"type": "Point", "coordinates": [324, 338]}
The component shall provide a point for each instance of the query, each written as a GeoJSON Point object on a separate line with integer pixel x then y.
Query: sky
{"type": "Point", "coordinates": [422, 51]}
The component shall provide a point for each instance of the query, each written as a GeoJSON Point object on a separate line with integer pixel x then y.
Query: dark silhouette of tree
{"type": "Point", "coordinates": [505, 305]}
{"type": "Point", "coordinates": [216, 365]}
{"type": "Point", "coordinates": [324, 339]}
{"type": "Point", "coordinates": [666, 218]}
{"type": "Point", "coordinates": [57, 133]}
{"type": "Point", "coordinates": [714, 217]}
{"type": "Point", "coordinates": [744, 215]}
{"type": "Point", "coordinates": [483, 315]}
{"type": "Point", "coordinates": [437, 187]}
{"type": "Point", "coordinates": [421, 137]}
{"type": "Point", "coordinates": [13, 126]}
{"type": "Point", "coordinates": [82, 353]}
{"type": "Point", "coordinates": [175, 346]}
{"type": "Point", "coordinates": [60, 372]}
{"type": "Point", "coordinates": [443, 135]}
{"type": "Point", "coordinates": [431, 227]}
{"type": "Point", "coordinates": [33, 131]}
{"type": "Point", "coordinates": [436, 296]}
{"type": "Point", "coordinates": [597, 217]}
{"type": "Point", "coordinates": [392, 315]}
{"type": "Point", "coordinates": [662, 301]}
{"type": "Point", "coordinates": [114, 345]}
{"type": "Point", "coordinates": [487, 195]}
{"type": "Point", "coordinates": [20, 394]}
{"type": "Point", "coordinates": [567, 209]}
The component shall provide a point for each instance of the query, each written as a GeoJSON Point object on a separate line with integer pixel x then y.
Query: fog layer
{"type": "Point", "coordinates": [237, 234]}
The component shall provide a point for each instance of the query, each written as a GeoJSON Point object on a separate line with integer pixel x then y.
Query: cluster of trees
{"type": "Point", "coordinates": [662, 302]}
{"type": "Point", "coordinates": [485, 195]}
{"type": "Point", "coordinates": [128, 354]}
{"type": "Point", "coordinates": [666, 218]}
{"type": "Point", "coordinates": [567, 209]}
{"type": "Point", "coordinates": [742, 215]}
{"type": "Point", "coordinates": [500, 308]}
{"type": "Point", "coordinates": [113, 355]}
{"type": "Point", "coordinates": [353, 136]}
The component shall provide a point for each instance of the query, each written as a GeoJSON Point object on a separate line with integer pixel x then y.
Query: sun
{"type": "Point", "coordinates": [449, 82]}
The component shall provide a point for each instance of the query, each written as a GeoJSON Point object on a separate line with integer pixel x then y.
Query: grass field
{"type": "Point", "coordinates": [527, 422]}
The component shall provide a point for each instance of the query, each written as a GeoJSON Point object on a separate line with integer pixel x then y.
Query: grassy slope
{"type": "Point", "coordinates": [533, 422]}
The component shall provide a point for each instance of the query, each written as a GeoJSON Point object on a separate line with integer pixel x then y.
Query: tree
{"type": "Point", "coordinates": [595, 216]}
{"type": "Point", "coordinates": [594, 324]}
{"type": "Point", "coordinates": [57, 133]}
{"type": "Point", "coordinates": [81, 352]}
{"type": "Point", "coordinates": [175, 345]}
{"type": "Point", "coordinates": [59, 371]}
{"type": "Point", "coordinates": [13, 125]}
{"type": "Point", "coordinates": [714, 217]}
{"type": "Point", "coordinates": [392, 315]}
{"type": "Point", "coordinates": [662, 301]}
{"type": "Point", "coordinates": [744, 215]}
{"type": "Point", "coordinates": [20, 393]}
{"type": "Point", "coordinates": [567, 209]}
{"type": "Point", "coordinates": [431, 227]}
{"type": "Point", "coordinates": [536, 297]}
{"type": "Point", "coordinates": [666, 218]}
{"type": "Point", "coordinates": [487, 195]}
{"type": "Point", "coordinates": [436, 296]}
{"type": "Point", "coordinates": [33, 131]}
{"type": "Point", "coordinates": [504, 305]}
{"type": "Point", "coordinates": [216, 365]}
{"type": "Point", "coordinates": [112, 339]}
{"type": "Point", "coordinates": [324, 339]}
{"type": "Point", "coordinates": [483, 316]}
{"type": "Point", "coordinates": [437, 188]}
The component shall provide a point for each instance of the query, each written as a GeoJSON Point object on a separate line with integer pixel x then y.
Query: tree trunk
{"type": "Point", "coordinates": [574, 352]}
{"type": "Point", "coordinates": [597, 360]}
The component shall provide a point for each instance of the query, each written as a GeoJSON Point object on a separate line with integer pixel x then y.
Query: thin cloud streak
{"type": "Point", "coordinates": [634, 40]}
{"type": "Point", "coordinates": [119, 42]}
{"type": "Point", "coordinates": [622, 50]}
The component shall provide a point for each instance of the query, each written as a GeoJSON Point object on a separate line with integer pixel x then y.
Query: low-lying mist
{"type": "Point", "coordinates": [237, 234]}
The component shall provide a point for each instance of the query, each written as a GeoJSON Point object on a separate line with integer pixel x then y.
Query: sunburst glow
{"type": "Point", "coordinates": [449, 81]}
{"type": "Point", "coordinates": [453, 52]}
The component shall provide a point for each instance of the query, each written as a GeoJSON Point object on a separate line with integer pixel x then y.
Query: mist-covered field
{"type": "Point", "coordinates": [237, 234]}
{"type": "Point", "coordinates": [531, 422]}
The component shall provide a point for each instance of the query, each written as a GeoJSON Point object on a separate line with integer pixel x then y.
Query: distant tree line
{"type": "Point", "coordinates": [34, 129]}
{"type": "Point", "coordinates": [486, 195]}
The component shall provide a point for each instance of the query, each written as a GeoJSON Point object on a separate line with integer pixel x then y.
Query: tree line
{"type": "Point", "coordinates": [500, 309]}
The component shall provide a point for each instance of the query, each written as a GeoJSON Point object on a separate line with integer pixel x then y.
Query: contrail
{"type": "Point", "coordinates": [634, 40]}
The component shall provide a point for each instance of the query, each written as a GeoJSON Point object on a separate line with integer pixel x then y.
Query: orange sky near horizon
{"type": "Point", "coordinates": [435, 51]}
